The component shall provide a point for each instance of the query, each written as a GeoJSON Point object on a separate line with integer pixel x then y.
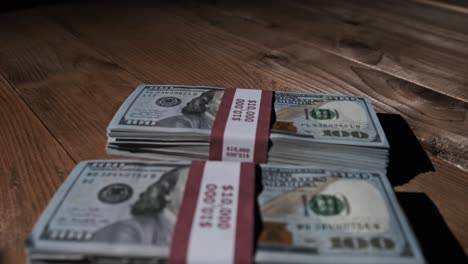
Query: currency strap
{"type": "Point", "coordinates": [216, 219]}
{"type": "Point", "coordinates": [241, 131]}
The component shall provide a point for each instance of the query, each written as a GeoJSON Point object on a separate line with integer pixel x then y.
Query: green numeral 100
{"type": "Point", "coordinates": [343, 133]}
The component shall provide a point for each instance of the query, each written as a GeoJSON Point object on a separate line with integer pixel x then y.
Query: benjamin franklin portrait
{"type": "Point", "coordinates": [199, 113]}
{"type": "Point", "coordinates": [153, 215]}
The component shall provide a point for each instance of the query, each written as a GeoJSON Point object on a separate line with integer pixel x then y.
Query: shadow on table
{"type": "Point", "coordinates": [435, 238]}
{"type": "Point", "coordinates": [407, 157]}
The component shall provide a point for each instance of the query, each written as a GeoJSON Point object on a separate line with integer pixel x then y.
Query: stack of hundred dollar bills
{"type": "Point", "coordinates": [124, 211]}
{"type": "Point", "coordinates": [174, 123]}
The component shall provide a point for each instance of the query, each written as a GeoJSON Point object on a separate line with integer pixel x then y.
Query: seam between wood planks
{"type": "Point", "coordinates": [83, 41]}
{"type": "Point", "coordinates": [455, 8]}
{"type": "Point", "coordinates": [329, 51]}
{"type": "Point", "coordinates": [37, 116]}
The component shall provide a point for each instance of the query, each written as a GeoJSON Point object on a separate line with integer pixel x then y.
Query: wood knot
{"type": "Point", "coordinates": [274, 55]}
{"type": "Point", "coordinates": [272, 25]}
{"type": "Point", "coordinates": [263, 23]}
{"type": "Point", "coordinates": [88, 63]}
{"type": "Point", "coordinates": [360, 50]}
{"type": "Point", "coordinates": [352, 22]}
{"type": "Point", "coordinates": [214, 22]}
{"type": "Point", "coordinates": [354, 44]}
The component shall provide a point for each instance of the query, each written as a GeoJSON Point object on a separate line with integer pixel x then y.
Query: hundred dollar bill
{"type": "Point", "coordinates": [319, 215]}
{"type": "Point", "coordinates": [188, 111]}
{"type": "Point", "coordinates": [111, 208]}
{"type": "Point", "coordinates": [161, 108]}
{"type": "Point", "coordinates": [109, 211]}
{"type": "Point", "coordinates": [333, 119]}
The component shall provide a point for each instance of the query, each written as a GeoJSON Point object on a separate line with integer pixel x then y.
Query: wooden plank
{"type": "Point", "coordinates": [429, 113]}
{"type": "Point", "coordinates": [441, 30]}
{"type": "Point", "coordinates": [177, 45]}
{"type": "Point", "coordinates": [447, 189]}
{"type": "Point", "coordinates": [281, 59]}
{"type": "Point", "coordinates": [426, 18]}
{"type": "Point", "coordinates": [157, 48]}
{"type": "Point", "coordinates": [425, 54]}
{"type": "Point", "coordinates": [32, 166]}
{"type": "Point", "coordinates": [73, 89]}
{"type": "Point", "coordinates": [305, 68]}
{"type": "Point", "coordinates": [452, 5]}
{"type": "Point", "coordinates": [62, 78]}
{"type": "Point", "coordinates": [440, 7]}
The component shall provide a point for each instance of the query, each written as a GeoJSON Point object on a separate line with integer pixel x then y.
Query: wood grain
{"type": "Point", "coordinates": [272, 61]}
{"type": "Point", "coordinates": [71, 87]}
{"type": "Point", "coordinates": [447, 189]}
{"type": "Point", "coordinates": [371, 34]}
{"type": "Point", "coordinates": [431, 114]}
{"type": "Point", "coordinates": [267, 60]}
{"type": "Point", "coordinates": [452, 5]}
{"type": "Point", "coordinates": [32, 166]}
{"type": "Point", "coordinates": [158, 49]}
{"type": "Point", "coordinates": [74, 91]}
{"type": "Point", "coordinates": [74, 64]}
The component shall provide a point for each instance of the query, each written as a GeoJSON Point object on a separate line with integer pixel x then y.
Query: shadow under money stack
{"type": "Point", "coordinates": [175, 122]}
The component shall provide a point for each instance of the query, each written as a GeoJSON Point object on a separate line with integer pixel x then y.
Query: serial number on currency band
{"type": "Point", "coordinates": [217, 198]}
{"type": "Point", "coordinates": [246, 107]}
{"type": "Point", "coordinates": [238, 152]}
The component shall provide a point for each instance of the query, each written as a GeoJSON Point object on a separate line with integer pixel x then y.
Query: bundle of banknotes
{"type": "Point", "coordinates": [124, 211]}
{"type": "Point", "coordinates": [174, 123]}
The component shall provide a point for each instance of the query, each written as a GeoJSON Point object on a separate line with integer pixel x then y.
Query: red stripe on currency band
{"type": "Point", "coordinates": [245, 221]}
{"type": "Point", "coordinates": [219, 125]}
{"type": "Point", "coordinates": [262, 137]}
{"type": "Point", "coordinates": [183, 227]}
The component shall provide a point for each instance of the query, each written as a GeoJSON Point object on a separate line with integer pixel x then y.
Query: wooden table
{"type": "Point", "coordinates": [66, 68]}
